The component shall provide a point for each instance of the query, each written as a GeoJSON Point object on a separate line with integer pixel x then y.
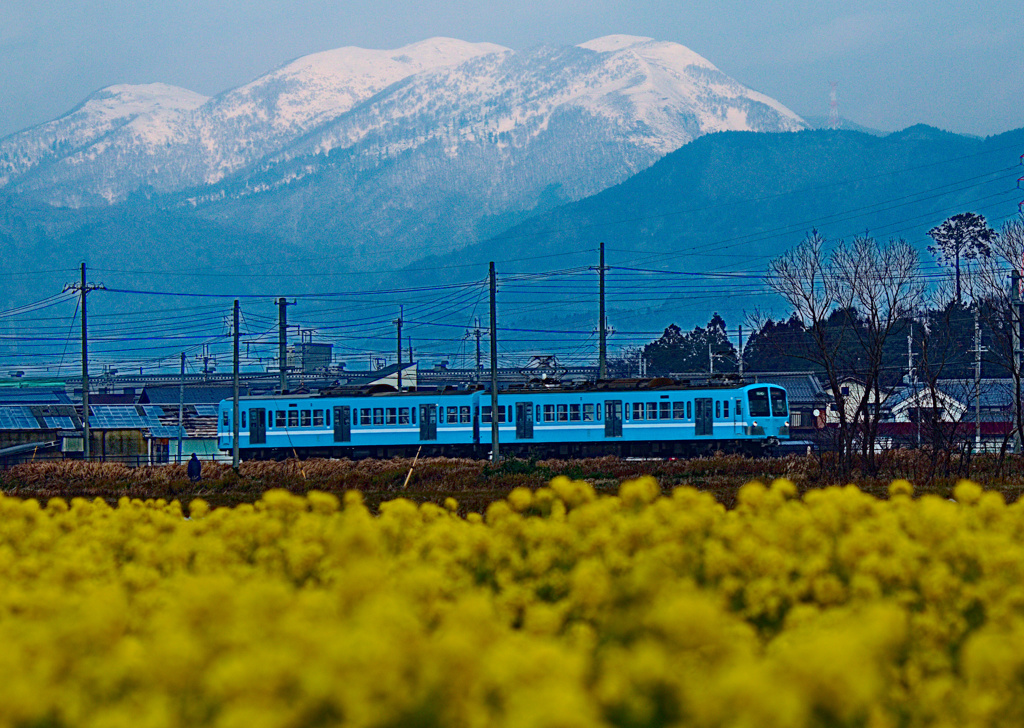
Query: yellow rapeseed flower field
{"type": "Point", "coordinates": [557, 607]}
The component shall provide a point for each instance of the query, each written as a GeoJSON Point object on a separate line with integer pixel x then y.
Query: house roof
{"type": "Point", "coordinates": [995, 394]}
{"type": "Point", "coordinates": [205, 394]}
{"type": "Point", "coordinates": [33, 395]}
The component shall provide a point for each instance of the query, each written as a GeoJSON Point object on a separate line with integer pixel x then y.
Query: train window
{"type": "Point", "coordinates": [689, 410]}
{"type": "Point", "coordinates": [364, 417]}
{"type": "Point", "coordinates": [588, 413]}
{"type": "Point", "coordinates": [718, 408]}
{"type": "Point", "coordinates": [549, 413]}
{"type": "Point", "coordinates": [293, 418]}
{"type": "Point", "coordinates": [638, 410]}
{"type": "Point", "coordinates": [305, 418]}
{"type": "Point", "coordinates": [779, 408]}
{"type": "Point", "coordinates": [390, 416]}
{"type": "Point", "coordinates": [453, 415]}
{"type": "Point", "coordinates": [242, 423]}
{"type": "Point", "coordinates": [378, 415]}
{"type": "Point", "coordinates": [279, 418]}
{"type": "Point", "coordinates": [465, 416]}
{"type": "Point", "coordinates": [224, 421]}
{"type": "Point", "coordinates": [574, 413]}
{"type": "Point", "coordinates": [412, 412]}
{"type": "Point", "coordinates": [739, 407]}
{"type": "Point", "coordinates": [652, 410]}
{"type": "Point", "coordinates": [403, 416]}
{"type": "Point", "coordinates": [758, 402]}
{"type": "Point", "coordinates": [665, 410]}
{"type": "Point", "coordinates": [327, 417]}
{"type": "Point", "coordinates": [725, 409]}
{"type": "Point", "coordinates": [318, 418]}
{"type": "Point", "coordinates": [678, 411]}
{"type": "Point", "coordinates": [597, 412]}
{"type": "Point", "coordinates": [537, 418]}
{"type": "Point", "coordinates": [563, 413]}
{"type": "Point", "coordinates": [486, 414]}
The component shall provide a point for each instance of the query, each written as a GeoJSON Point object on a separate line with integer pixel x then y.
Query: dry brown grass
{"type": "Point", "coordinates": [475, 483]}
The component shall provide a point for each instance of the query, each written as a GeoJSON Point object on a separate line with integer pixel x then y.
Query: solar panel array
{"type": "Point", "coordinates": [17, 418]}
{"type": "Point", "coordinates": [206, 410]}
{"type": "Point", "coordinates": [168, 431]}
{"type": "Point", "coordinates": [121, 416]}
{"type": "Point", "coordinates": [59, 422]}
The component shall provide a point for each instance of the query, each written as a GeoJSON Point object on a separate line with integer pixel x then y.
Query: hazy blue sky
{"type": "Point", "coordinates": [958, 66]}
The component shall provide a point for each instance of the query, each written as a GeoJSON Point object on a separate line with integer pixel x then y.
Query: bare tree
{"type": "Point", "coordinates": [999, 283]}
{"type": "Point", "coordinates": [850, 301]}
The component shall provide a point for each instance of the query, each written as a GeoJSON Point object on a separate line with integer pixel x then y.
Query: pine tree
{"type": "Point", "coordinates": [962, 237]}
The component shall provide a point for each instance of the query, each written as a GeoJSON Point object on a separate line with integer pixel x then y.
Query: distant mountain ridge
{"type": "Point", "coordinates": [653, 94]}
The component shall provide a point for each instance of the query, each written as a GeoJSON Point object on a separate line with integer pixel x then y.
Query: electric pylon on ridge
{"type": "Point", "coordinates": [833, 106]}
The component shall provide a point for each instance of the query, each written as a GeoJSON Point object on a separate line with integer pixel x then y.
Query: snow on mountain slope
{"type": "Point", "coordinates": [644, 98]}
{"type": "Point", "coordinates": [242, 125]}
{"type": "Point", "coordinates": [154, 108]}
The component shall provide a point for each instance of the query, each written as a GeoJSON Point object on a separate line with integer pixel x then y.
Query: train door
{"type": "Point", "coordinates": [524, 420]}
{"type": "Point", "coordinates": [613, 418]}
{"type": "Point", "coordinates": [343, 424]}
{"type": "Point", "coordinates": [703, 424]}
{"type": "Point", "coordinates": [428, 421]}
{"type": "Point", "coordinates": [257, 426]}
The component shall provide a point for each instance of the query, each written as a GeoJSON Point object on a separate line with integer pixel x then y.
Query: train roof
{"type": "Point", "coordinates": [538, 388]}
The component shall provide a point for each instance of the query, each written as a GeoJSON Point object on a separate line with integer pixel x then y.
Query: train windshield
{"type": "Point", "coordinates": [779, 408]}
{"type": "Point", "coordinates": [758, 399]}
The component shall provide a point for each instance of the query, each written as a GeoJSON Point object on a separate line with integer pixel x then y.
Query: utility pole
{"type": "Point", "coordinates": [205, 358]}
{"type": "Point", "coordinates": [711, 360]}
{"type": "Point", "coordinates": [495, 456]}
{"type": "Point", "coordinates": [398, 323]}
{"type": "Point", "coordinates": [1015, 320]}
{"type": "Point", "coordinates": [477, 332]}
{"type": "Point", "coordinates": [912, 376]}
{"type": "Point", "coordinates": [181, 405]}
{"type": "Point", "coordinates": [602, 361]}
{"type": "Point", "coordinates": [234, 407]}
{"type": "Point", "coordinates": [739, 352]}
{"type": "Point", "coordinates": [977, 383]}
{"type": "Point", "coordinates": [410, 350]}
{"type": "Point", "coordinates": [282, 340]}
{"type": "Point", "coordinates": [83, 288]}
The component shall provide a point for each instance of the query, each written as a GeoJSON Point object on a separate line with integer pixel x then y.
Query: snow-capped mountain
{"type": "Point", "coordinates": [438, 98]}
{"type": "Point", "coordinates": [126, 137]}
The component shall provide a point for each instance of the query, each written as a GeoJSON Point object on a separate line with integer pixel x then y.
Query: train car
{"type": "Point", "coordinates": [646, 421]}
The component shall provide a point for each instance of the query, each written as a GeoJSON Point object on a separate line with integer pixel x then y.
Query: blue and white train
{"type": "Point", "coordinates": [638, 421]}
